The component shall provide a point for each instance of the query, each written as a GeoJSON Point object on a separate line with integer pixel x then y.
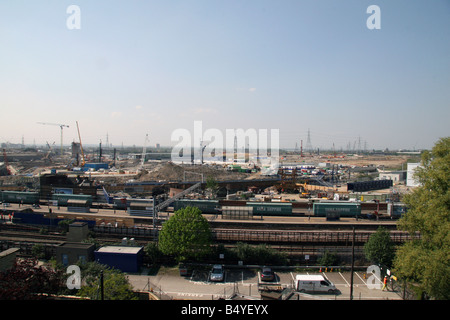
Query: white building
{"type": "Point", "coordinates": [410, 181]}
{"type": "Point", "coordinates": [395, 176]}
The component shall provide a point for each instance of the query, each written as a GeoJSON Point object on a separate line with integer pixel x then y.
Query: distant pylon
{"type": "Point", "coordinates": [309, 147]}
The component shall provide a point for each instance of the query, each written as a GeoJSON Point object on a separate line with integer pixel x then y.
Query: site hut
{"type": "Point", "coordinates": [237, 213]}
{"type": "Point", "coordinates": [141, 207]}
{"type": "Point", "coordinates": [124, 258]}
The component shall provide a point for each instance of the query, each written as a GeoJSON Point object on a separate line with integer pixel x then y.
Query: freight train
{"type": "Point", "coordinates": [332, 210]}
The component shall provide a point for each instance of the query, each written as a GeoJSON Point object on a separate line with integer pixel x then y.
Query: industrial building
{"type": "Point", "coordinates": [124, 258]}
{"type": "Point", "coordinates": [69, 253]}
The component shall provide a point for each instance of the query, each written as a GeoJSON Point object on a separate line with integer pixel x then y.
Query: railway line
{"type": "Point", "coordinates": [221, 235]}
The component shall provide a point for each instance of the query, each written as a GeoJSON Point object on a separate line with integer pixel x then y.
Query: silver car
{"type": "Point", "coordinates": [217, 273]}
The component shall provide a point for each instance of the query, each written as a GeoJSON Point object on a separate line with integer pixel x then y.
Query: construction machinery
{"type": "Point", "coordinates": [5, 159]}
{"type": "Point", "coordinates": [144, 150]}
{"type": "Point", "coordinates": [59, 125]}
{"type": "Point", "coordinates": [47, 156]}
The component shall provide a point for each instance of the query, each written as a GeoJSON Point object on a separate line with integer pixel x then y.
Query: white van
{"type": "Point", "coordinates": [314, 283]}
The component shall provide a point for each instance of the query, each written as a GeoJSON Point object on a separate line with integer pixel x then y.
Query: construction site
{"type": "Point", "coordinates": [148, 172]}
{"type": "Point", "coordinates": [308, 204]}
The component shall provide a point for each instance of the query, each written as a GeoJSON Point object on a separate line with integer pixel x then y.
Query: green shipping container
{"type": "Point", "coordinates": [343, 209]}
{"type": "Point", "coordinates": [206, 206]}
{"type": "Point", "coordinates": [271, 209]}
{"type": "Point", "coordinates": [20, 197]}
{"type": "Point", "coordinates": [63, 198]}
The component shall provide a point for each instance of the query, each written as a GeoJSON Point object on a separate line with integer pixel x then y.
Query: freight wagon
{"type": "Point", "coordinates": [335, 210]}
{"type": "Point", "coordinates": [206, 206]}
{"type": "Point", "coordinates": [63, 198]}
{"type": "Point", "coordinates": [271, 209]}
{"type": "Point", "coordinates": [20, 197]}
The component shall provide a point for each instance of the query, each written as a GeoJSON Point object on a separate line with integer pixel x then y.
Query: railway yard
{"type": "Point", "coordinates": [304, 210]}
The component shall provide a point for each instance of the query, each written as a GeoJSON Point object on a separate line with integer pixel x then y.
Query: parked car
{"type": "Point", "coordinates": [217, 273]}
{"type": "Point", "coordinates": [184, 270]}
{"type": "Point", "coordinates": [267, 274]}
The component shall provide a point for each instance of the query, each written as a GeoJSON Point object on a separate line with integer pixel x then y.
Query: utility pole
{"type": "Point", "coordinates": [353, 264]}
{"type": "Point", "coordinates": [102, 291]}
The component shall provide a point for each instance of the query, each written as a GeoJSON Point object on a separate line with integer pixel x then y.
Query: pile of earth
{"type": "Point", "coordinates": [169, 171]}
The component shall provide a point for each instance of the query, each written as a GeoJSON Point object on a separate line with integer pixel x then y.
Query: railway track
{"type": "Point", "coordinates": [304, 236]}
{"type": "Point", "coordinates": [113, 234]}
{"type": "Point", "coordinates": [33, 236]}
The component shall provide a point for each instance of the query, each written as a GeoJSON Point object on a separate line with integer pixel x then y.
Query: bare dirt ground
{"type": "Point", "coordinates": [174, 172]}
{"type": "Point", "coordinates": [388, 161]}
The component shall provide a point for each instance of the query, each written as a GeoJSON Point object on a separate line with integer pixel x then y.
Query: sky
{"type": "Point", "coordinates": [134, 68]}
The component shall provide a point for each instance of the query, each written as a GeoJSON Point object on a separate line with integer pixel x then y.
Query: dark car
{"type": "Point", "coordinates": [185, 271]}
{"type": "Point", "coordinates": [267, 274]}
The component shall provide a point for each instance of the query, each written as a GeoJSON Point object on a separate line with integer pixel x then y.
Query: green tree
{"type": "Point", "coordinates": [153, 253]}
{"type": "Point", "coordinates": [328, 259]}
{"type": "Point", "coordinates": [115, 284]}
{"type": "Point", "coordinates": [426, 261]}
{"type": "Point", "coordinates": [212, 187]}
{"type": "Point", "coordinates": [185, 235]}
{"type": "Point", "coordinates": [380, 249]}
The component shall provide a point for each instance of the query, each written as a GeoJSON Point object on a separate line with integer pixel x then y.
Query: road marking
{"type": "Point", "coordinates": [292, 275]}
{"type": "Point", "coordinates": [360, 278]}
{"type": "Point", "coordinates": [348, 284]}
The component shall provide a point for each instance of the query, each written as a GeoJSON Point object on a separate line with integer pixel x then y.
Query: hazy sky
{"type": "Point", "coordinates": [150, 67]}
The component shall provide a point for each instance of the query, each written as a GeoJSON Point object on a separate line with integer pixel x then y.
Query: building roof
{"type": "Point", "coordinates": [120, 249]}
{"type": "Point", "coordinates": [79, 245]}
{"type": "Point", "coordinates": [8, 252]}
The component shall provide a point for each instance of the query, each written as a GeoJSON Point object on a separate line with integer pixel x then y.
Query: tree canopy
{"type": "Point", "coordinates": [27, 280]}
{"type": "Point", "coordinates": [115, 283]}
{"type": "Point", "coordinates": [380, 248]}
{"type": "Point", "coordinates": [185, 235]}
{"type": "Point", "coordinates": [426, 261]}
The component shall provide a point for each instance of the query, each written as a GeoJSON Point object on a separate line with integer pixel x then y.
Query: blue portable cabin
{"type": "Point", "coordinates": [124, 258]}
